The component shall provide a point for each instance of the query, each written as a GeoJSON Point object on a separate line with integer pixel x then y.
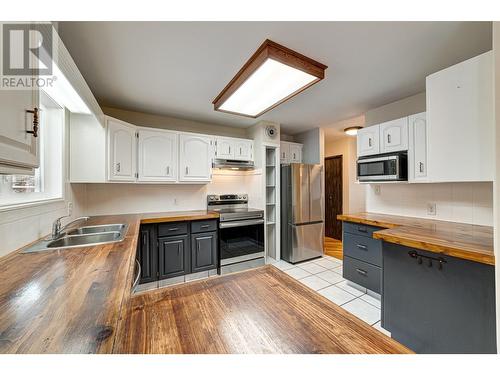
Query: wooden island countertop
{"type": "Point", "coordinates": [465, 241]}
{"type": "Point", "coordinates": [70, 301]}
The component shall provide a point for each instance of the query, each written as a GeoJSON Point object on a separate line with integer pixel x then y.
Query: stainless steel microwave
{"type": "Point", "coordinates": [383, 167]}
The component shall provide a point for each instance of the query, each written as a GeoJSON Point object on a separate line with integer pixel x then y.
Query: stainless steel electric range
{"type": "Point", "coordinates": [241, 232]}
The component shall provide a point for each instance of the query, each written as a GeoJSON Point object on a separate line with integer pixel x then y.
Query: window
{"type": "Point", "coordinates": [46, 183]}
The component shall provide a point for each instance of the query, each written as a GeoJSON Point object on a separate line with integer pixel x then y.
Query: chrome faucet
{"type": "Point", "coordinates": [57, 230]}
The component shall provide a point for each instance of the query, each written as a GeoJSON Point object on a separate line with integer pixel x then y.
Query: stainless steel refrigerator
{"type": "Point", "coordinates": [301, 212]}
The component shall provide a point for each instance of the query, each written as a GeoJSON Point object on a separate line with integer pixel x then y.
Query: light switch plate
{"type": "Point", "coordinates": [376, 189]}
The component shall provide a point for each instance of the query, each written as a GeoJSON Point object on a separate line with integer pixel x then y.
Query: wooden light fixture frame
{"type": "Point", "coordinates": [282, 54]}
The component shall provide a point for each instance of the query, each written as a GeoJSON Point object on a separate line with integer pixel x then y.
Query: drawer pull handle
{"type": "Point", "coordinates": [205, 226]}
{"type": "Point", "coordinates": [362, 247]}
{"type": "Point", "coordinates": [172, 229]}
{"type": "Point", "coordinates": [361, 272]}
{"type": "Point", "coordinates": [362, 229]}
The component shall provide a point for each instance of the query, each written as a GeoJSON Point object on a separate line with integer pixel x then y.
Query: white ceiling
{"type": "Point", "coordinates": [178, 68]}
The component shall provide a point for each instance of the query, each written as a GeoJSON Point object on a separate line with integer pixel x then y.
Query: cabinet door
{"type": "Point", "coordinates": [285, 152]}
{"type": "Point", "coordinates": [422, 306]}
{"type": "Point", "coordinates": [460, 121]}
{"type": "Point", "coordinates": [174, 256]}
{"type": "Point", "coordinates": [122, 145]}
{"type": "Point", "coordinates": [225, 148]}
{"type": "Point", "coordinates": [147, 254]}
{"type": "Point", "coordinates": [196, 153]}
{"type": "Point", "coordinates": [19, 150]}
{"type": "Point", "coordinates": [417, 150]}
{"type": "Point", "coordinates": [157, 155]}
{"type": "Point", "coordinates": [368, 141]}
{"type": "Point", "coordinates": [295, 153]}
{"type": "Point", "coordinates": [394, 135]}
{"type": "Point", "coordinates": [203, 251]}
{"type": "Point", "coordinates": [17, 147]}
{"type": "Point", "coordinates": [243, 149]}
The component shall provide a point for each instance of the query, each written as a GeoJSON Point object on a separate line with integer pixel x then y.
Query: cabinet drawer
{"type": "Point", "coordinates": [362, 273]}
{"type": "Point", "coordinates": [361, 229]}
{"type": "Point", "coordinates": [203, 226]}
{"type": "Point", "coordinates": [172, 229]}
{"type": "Point", "coordinates": [363, 248]}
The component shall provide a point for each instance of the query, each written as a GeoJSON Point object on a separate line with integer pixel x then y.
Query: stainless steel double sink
{"type": "Point", "coordinates": [80, 237]}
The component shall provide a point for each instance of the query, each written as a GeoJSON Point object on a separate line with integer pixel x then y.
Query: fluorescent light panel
{"type": "Point", "coordinates": [273, 74]}
{"type": "Point", "coordinates": [269, 84]}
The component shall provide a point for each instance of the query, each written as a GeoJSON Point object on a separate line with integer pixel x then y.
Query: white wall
{"type": "Point", "coordinates": [466, 202]}
{"type": "Point", "coordinates": [104, 199]}
{"type": "Point", "coordinates": [313, 141]}
{"type": "Point", "coordinates": [173, 123]}
{"type": "Point", "coordinates": [19, 227]}
{"type": "Point", "coordinates": [392, 111]}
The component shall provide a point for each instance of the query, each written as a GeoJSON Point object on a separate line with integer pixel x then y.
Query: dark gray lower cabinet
{"type": "Point", "coordinates": [432, 309]}
{"type": "Point", "coordinates": [203, 251]}
{"type": "Point", "coordinates": [173, 256]}
{"type": "Point", "coordinates": [147, 254]}
{"type": "Point", "coordinates": [362, 256]}
{"type": "Point", "coordinates": [167, 250]}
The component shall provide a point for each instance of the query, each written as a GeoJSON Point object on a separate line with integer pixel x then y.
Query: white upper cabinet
{"type": "Point", "coordinates": [243, 149]}
{"type": "Point", "coordinates": [224, 148]}
{"type": "Point", "coordinates": [417, 148]}
{"type": "Point", "coordinates": [460, 121]}
{"type": "Point", "coordinates": [284, 152]}
{"type": "Point", "coordinates": [290, 152]}
{"type": "Point", "coordinates": [195, 157]}
{"type": "Point", "coordinates": [295, 153]}
{"type": "Point", "coordinates": [368, 141]}
{"type": "Point", "coordinates": [394, 135]}
{"type": "Point", "coordinates": [157, 155]}
{"type": "Point", "coordinates": [234, 148]}
{"type": "Point", "coordinates": [18, 148]}
{"type": "Point", "coordinates": [122, 156]}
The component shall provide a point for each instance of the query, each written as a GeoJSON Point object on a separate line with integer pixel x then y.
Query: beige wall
{"type": "Point", "coordinates": [401, 108]}
{"type": "Point", "coordinates": [353, 199]}
{"type": "Point", "coordinates": [172, 123]}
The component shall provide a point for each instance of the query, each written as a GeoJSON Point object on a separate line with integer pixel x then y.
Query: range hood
{"type": "Point", "coordinates": [237, 165]}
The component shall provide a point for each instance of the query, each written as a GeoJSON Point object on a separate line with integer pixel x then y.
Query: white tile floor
{"type": "Point", "coordinates": [324, 275]}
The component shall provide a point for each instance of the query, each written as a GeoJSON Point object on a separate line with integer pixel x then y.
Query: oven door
{"type": "Point", "coordinates": [384, 168]}
{"type": "Point", "coordinates": [241, 240]}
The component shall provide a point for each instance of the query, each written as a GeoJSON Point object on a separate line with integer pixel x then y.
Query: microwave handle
{"type": "Point", "coordinates": [382, 158]}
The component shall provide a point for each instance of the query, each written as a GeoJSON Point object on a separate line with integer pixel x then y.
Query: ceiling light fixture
{"type": "Point", "coordinates": [271, 76]}
{"type": "Point", "coordinates": [352, 130]}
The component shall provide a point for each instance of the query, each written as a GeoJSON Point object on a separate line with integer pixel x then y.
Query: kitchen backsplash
{"type": "Point", "coordinates": [103, 199]}
{"type": "Point", "coordinates": [466, 202]}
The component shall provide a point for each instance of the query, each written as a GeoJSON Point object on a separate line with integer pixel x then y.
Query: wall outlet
{"type": "Point", "coordinates": [376, 189]}
{"type": "Point", "coordinates": [70, 208]}
{"type": "Point", "coordinates": [431, 209]}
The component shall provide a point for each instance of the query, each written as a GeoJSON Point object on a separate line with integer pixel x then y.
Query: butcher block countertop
{"type": "Point", "coordinates": [71, 301]}
{"type": "Point", "coordinates": [465, 241]}
{"type": "Point", "coordinates": [257, 311]}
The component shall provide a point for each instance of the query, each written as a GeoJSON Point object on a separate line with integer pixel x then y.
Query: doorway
{"type": "Point", "coordinates": [333, 196]}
